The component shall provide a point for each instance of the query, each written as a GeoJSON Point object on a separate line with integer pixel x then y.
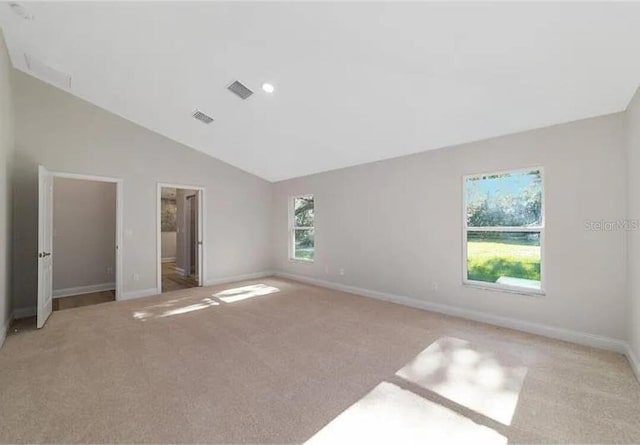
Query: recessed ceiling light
{"type": "Point", "coordinates": [21, 11]}
{"type": "Point", "coordinates": [268, 88]}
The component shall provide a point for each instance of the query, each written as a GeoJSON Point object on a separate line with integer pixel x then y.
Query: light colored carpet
{"type": "Point", "coordinates": [273, 361]}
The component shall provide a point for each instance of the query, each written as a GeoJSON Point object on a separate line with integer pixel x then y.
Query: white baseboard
{"type": "Point", "coordinates": [633, 361]}
{"type": "Point", "coordinates": [180, 271]}
{"type": "Point", "coordinates": [81, 290]}
{"type": "Point", "coordinates": [154, 291]}
{"type": "Point", "coordinates": [232, 279]}
{"type": "Point", "coordinates": [138, 294]}
{"type": "Point", "coordinates": [24, 312]}
{"type": "Point", "coordinates": [583, 338]}
{"type": "Point", "coordinates": [170, 259]}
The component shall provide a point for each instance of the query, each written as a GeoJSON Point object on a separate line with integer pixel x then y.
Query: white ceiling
{"type": "Point", "coordinates": [355, 82]}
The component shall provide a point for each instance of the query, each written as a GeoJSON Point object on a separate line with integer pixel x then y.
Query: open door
{"type": "Point", "coordinates": [198, 230]}
{"type": "Point", "coordinates": [194, 236]}
{"type": "Point", "coordinates": [45, 242]}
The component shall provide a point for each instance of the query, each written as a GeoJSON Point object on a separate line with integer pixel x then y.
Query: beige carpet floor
{"type": "Point", "coordinates": [273, 361]}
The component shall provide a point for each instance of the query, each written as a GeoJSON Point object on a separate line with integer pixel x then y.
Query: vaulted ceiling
{"type": "Point", "coordinates": [354, 82]}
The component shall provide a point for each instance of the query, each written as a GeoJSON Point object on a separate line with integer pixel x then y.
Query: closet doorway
{"type": "Point", "coordinates": [79, 234]}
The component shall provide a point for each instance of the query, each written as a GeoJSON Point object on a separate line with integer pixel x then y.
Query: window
{"type": "Point", "coordinates": [504, 230]}
{"type": "Point", "coordinates": [302, 228]}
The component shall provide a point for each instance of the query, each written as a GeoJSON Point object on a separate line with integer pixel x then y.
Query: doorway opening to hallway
{"type": "Point", "coordinates": [180, 235]}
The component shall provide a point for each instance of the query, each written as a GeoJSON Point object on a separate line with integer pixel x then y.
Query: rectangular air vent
{"type": "Point", "coordinates": [240, 90]}
{"type": "Point", "coordinates": [202, 117]}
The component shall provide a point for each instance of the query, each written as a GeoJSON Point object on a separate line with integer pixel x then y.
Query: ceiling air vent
{"type": "Point", "coordinates": [240, 90]}
{"type": "Point", "coordinates": [202, 117]}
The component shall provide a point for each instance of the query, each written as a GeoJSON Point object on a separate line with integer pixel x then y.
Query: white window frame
{"type": "Point", "coordinates": [293, 228]}
{"type": "Point", "coordinates": [540, 228]}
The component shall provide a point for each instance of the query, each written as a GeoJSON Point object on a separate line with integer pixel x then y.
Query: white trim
{"type": "Point", "coordinates": [504, 172]}
{"type": "Point", "coordinates": [202, 231]}
{"type": "Point", "coordinates": [505, 229]}
{"type": "Point", "coordinates": [180, 271]}
{"type": "Point", "coordinates": [3, 332]}
{"type": "Point", "coordinates": [24, 312]}
{"type": "Point", "coordinates": [83, 177]}
{"type": "Point", "coordinates": [300, 260]}
{"type": "Point", "coordinates": [81, 290]}
{"type": "Point", "coordinates": [633, 361]}
{"type": "Point", "coordinates": [119, 218]}
{"type": "Point", "coordinates": [539, 228]}
{"type": "Point", "coordinates": [170, 259]}
{"type": "Point", "coordinates": [583, 338]}
{"type": "Point", "coordinates": [139, 294]}
{"type": "Point", "coordinates": [498, 287]}
{"type": "Point", "coordinates": [154, 291]}
{"type": "Point", "coordinates": [232, 279]}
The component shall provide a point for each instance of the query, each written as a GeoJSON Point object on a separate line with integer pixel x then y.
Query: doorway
{"type": "Point", "coordinates": [180, 235]}
{"type": "Point", "coordinates": [84, 240]}
{"type": "Point", "coordinates": [79, 234]}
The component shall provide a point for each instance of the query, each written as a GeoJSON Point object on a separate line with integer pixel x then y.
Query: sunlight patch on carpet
{"type": "Point", "coordinates": [487, 382]}
{"type": "Point", "coordinates": [389, 414]}
{"type": "Point", "coordinates": [245, 292]}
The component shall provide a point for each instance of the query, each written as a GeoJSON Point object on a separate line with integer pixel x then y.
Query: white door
{"type": "Point", "coordinates": [45, 242]}
{"type": "Point", "coordinates": [198, 220]}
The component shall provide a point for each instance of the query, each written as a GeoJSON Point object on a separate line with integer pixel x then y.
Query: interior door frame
{"type": "Point", "coordinates": [202, 255]}
{"type": "Point", "coordinates": [119, 214]}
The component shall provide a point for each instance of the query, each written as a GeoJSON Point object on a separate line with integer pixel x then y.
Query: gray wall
{"type": "Point", "coordinates": [169, 246]}
{"type": "Point", "coordinates": [395, 226]}
{"type": "Point", "coordinates": [67, 134]}
{"type": "Point", "coordinates": [84, 233]}
{"type": "Point", "coordinates": [633, 173]}
{"type": "Point", "coordinates": [6, 150]}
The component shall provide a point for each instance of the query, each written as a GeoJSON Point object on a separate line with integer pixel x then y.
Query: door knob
{"type": "Point", "coordinates": [44, 254]}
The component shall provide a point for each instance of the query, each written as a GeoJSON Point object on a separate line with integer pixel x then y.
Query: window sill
{"type": "Point", "coordinates": [300, 260]}
{"type": "Point", "coordinates": [510, 290]}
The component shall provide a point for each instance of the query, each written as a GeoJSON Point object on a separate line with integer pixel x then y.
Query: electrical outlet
{"type": "Point", "coordinates": [341, 272]}
{"type": "Point", "coordinates": [109, 271]}
{"type": "Point", "coordinates": [136, 277]}
{"type": "Point", "coordinates": [435, 286]}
